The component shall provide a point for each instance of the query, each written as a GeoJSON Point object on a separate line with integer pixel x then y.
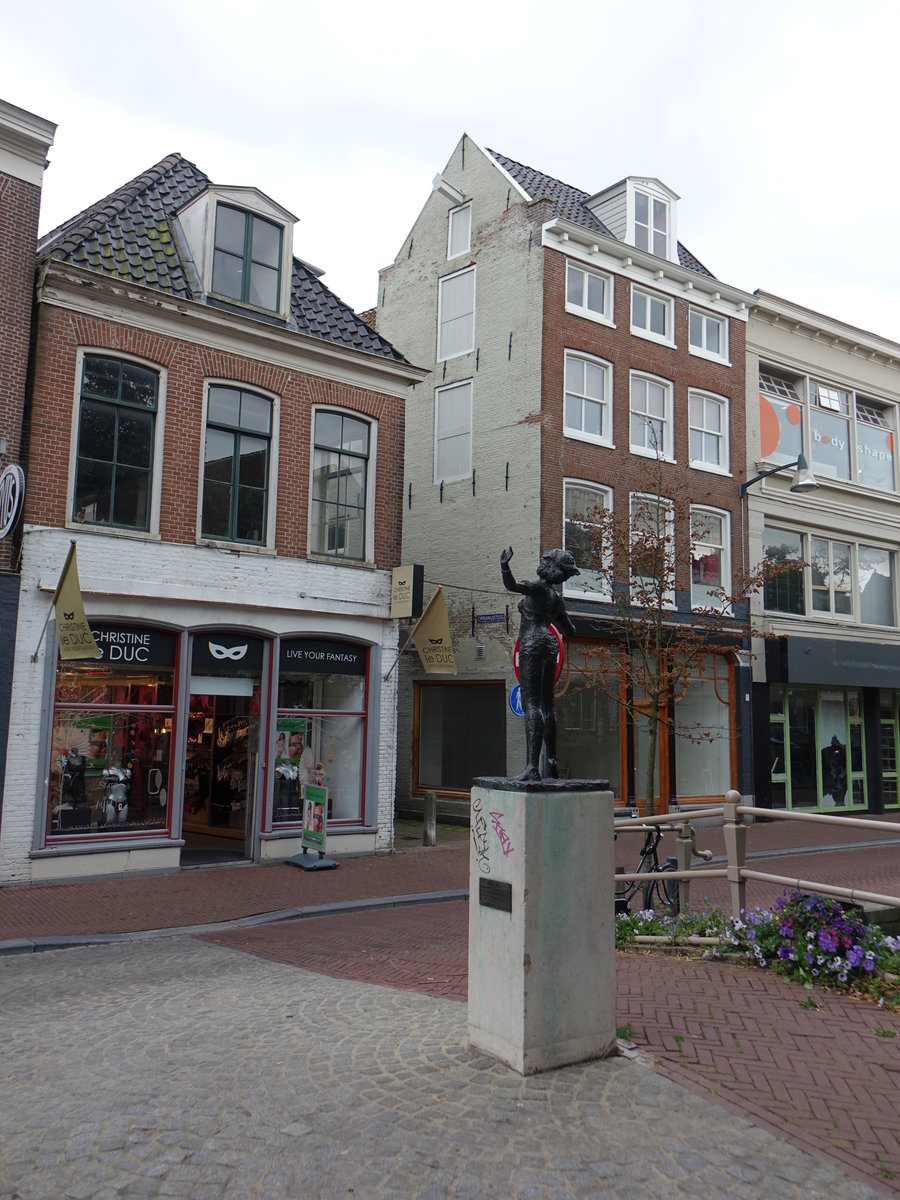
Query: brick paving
{"type": "Point", "coordinates": [826, 1080]}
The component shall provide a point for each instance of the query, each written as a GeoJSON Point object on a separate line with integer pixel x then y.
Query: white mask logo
{"type": "Point", "coordinates": [234, 652]}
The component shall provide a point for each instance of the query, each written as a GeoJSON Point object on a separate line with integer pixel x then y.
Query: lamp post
{"type": "Point", "coordinates": [804, 480]}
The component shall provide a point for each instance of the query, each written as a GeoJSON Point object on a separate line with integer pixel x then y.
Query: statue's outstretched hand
{"type": "Point", "coordinates": [505, 556]}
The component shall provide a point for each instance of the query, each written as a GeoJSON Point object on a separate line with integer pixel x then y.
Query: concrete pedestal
{"type": "Point", "coordinates": [542, 983]}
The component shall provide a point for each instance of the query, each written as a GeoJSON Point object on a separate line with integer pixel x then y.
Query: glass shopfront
{"type": "Point", "coordinates": [220, 778]}
{"type": "Point", "coordinates": [112, 737]}
{"type": "Point", "coordinates": [817, 750]}
{"type": "Point", "coordinates": [320, 731]}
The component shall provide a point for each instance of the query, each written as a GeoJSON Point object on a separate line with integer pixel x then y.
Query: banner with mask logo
{"type": "Point", "coordinates": [72, 630]}
{"type": "Point", "coordinates": [432, 637]}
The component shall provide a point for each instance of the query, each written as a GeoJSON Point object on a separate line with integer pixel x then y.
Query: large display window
{"type": "Point", "coordinates": [320, 731]}
{"type": "Point", "coordinates": [112, 737]}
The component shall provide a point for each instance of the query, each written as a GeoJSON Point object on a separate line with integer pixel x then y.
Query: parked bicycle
{"type": "Point", "coordinates": [658, 892]}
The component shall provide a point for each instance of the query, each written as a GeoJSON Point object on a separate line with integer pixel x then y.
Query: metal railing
{"type": "Point", "coordinates": [736, 871]}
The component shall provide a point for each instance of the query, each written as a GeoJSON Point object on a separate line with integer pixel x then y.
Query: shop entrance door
{"type": "Point", "coordinates": [221, 761]}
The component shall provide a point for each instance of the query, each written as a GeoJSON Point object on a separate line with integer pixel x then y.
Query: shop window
{"type": "Point", "coordinates": [222, 739]}
{"type": "Point", "coordinates": [236, 465]}
{"type": "Point", "coordinates": [116, 435]}
{"type": "Point", "coordinates": [460, 734]}
{"type": "Point", "coordinates": [339, 509]}
{"type": "Point", "coordinates": [320, 734]}
{"type": "Point", "coordinates": [112, 736]}
{"type": "Point", "coordinates": [703, 750]}
{"type": "Point", "coordinates": [817, 748]}
{"type": "Point", "coordinates": [780, 418]}
{"type": "Point", "coordinates": [588, 716]}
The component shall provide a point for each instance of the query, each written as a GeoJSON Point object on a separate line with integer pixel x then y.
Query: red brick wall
{"type": "Point", "coordinates": [619, 468]}
{"type": "Point", "coordinates": [19, 210]}
{"type": "Point", "coordinates": [61, 333]}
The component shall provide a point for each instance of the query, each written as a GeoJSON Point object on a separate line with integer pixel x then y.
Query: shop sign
{"type": "Point", "coordinates": [133, 645]}
{"type": "Point", "coordinates": [406, 591]}
{"type": "Point", "coordinates": [12, 497]}
{"type": "Point", "coordinates": [315, 806]}
{"type": "Point", "coordinates": [319, 656]}
{"type": "Point", "coordinates": [226, 653]}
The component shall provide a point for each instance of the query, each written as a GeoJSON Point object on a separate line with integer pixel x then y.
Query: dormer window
{"type": "Point", "coordinates": [247, 258]}
{"type": "Point", "coordinates": [651, 223]}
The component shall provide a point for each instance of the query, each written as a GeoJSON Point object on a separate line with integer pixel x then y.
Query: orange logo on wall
{"type": "Point", "coordinates": [770, 426]}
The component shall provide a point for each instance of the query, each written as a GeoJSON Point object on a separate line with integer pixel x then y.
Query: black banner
{"type": "Point", "coordinates": [318, 656]}
{"type": "Point", "coordinates": [132, 645]}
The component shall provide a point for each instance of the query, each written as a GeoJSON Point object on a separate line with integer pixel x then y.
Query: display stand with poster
{"type": "Point", "coordinates": [315, 806]}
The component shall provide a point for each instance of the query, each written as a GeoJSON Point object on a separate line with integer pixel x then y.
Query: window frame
{"type": "Point", "coordinates": [268, 540]}
{"type": "Point", "coordinates": [644, 331]}
{"type": "Point", "coordinates": [457, 213]}
{"type": "Point", "coordinates": [247, 259]}
{"type": "Point", "coordinates": [669, 507]}
{"type": "Point", "coordinates": [156, 443]}
{"type": "Point", "coordinates": [650, 226]}
{"type": "Point", "coordinates": [699, 464]}
{"type": "Point", "coordinates": [807, 611]}
{"type": "Point", "coordinates": [666, 453]}
{"type": "Point", "coordinates": [702, 350]}
{"type": "Point", "coordinates": [605, 404]}
{"type": "Point", "coordinates": [371, 459]}
{"type": "Point", "coordinates": [576, 585]}
{"type": "Point", "coordinates": [724, 548]}
{"type": "Point", "coordinates": [438, 391]}
{"type": "Point", "coordinates": [442, 282]}
{"type": "Point", "coordinates": [603, 316]}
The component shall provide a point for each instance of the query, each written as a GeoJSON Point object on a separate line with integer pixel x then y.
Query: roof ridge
{"type": "Point", "coordinates": [67, 235]}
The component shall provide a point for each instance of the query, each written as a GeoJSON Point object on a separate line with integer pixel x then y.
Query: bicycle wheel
{"type": "Point", "coordinates": [662, 893]}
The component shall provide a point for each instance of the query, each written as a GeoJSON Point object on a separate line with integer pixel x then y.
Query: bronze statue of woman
{"type": "Point", "coordinates": [540, 606]}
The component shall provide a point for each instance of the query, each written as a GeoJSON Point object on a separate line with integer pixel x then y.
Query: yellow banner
{"type": "Point", "coordinates": [72, 629]}
{"type": "Point", "coordinates": [432, 637]}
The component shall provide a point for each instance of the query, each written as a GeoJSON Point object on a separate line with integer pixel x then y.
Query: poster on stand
{"type": "Point", "coordinates": [315, 806]}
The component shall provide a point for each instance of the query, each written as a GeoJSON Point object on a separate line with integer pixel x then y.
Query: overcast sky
{"type": "Point", "coordinates": [775, 122]}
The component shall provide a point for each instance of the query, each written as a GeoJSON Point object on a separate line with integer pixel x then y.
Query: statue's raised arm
{"type": "Point", "coordinates": [540, 607]}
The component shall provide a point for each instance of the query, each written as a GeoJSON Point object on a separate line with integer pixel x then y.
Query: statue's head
{"type": "Point", "coordinates": [556, 566]}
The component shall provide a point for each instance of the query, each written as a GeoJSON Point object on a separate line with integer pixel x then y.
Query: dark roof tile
{"type": "Point", "coordinates": [570, 203]}
{"type": "Point", "coordinates": [129, 235]}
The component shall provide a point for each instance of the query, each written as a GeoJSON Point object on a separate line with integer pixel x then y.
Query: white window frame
{"type": "Point", "coordinates": [371, 475]}
{"type": "Point", "coordinates": [467, 430]}
{"type": "Point", "coordinates": [723, 515]}
{"type": "Point", "coordinates": [701, 350]}
{"type": "Point", "coordinates": [605, 315]}
{"type": "Point", "coordinates": [652, 199]}
{"type": "Point", "coordinates": [579, 585]}
{"type": "Point", "coordinates": [470, 345]}
{"type": "Point", "coordinates": [665, 451]}
{"type": "Point", "coordinates": [701, 464]}
{"type": "Point", "coordinates": [267, 546]}
{"type": "Point", "coordinates": [606, 404]}
{"type": "Point", "coordinates": [644, 331]}
{"type": "Point", "coordinates": [669, 506]}
{"type": "Point", "coordinates": [151, 533]}
{"type": "Point", "coordinates": [455, 217]}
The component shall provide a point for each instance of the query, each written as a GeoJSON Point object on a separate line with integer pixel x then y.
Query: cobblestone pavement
{"type": "Point", "coordinates": [178, 1068]}
{"type": "Point", "coordinates": [826, 1078]}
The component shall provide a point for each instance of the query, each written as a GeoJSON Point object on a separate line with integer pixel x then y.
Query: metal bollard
{"type": "Point", "coordinates": [429, 819]}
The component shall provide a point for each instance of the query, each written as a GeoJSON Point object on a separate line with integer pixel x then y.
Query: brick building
{"type": "Point", "coordinates": [222, 438]}
{"type": "Point", "coordinates": [24, 142]}
{"type": "Point", "coordinates": [580, 357]}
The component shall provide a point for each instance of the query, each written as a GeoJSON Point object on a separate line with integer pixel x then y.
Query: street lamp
{"type": "Point", "coordinates": [804, 480]}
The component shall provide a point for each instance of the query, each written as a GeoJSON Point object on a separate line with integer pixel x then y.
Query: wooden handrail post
{"type": "Point", "coordinates": [736, 850]}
